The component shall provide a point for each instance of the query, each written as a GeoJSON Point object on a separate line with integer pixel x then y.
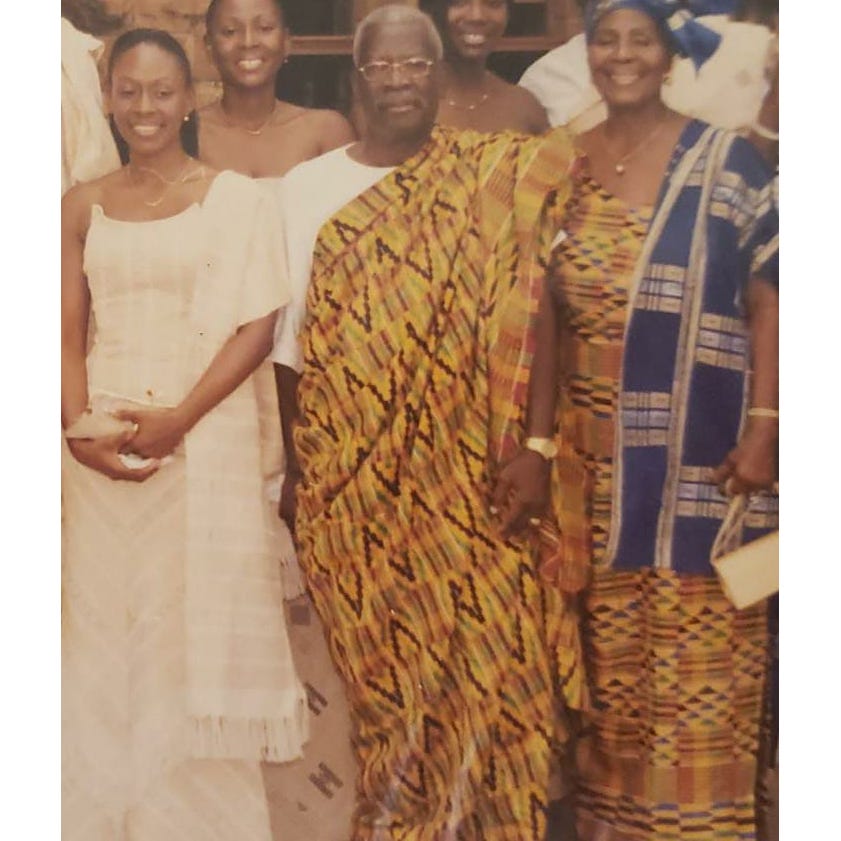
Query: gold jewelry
{"type": "Point", "coordinates": [764, 131]}
{"type": "Point", "coordinates": [471, 106]}
{"type": "Point", "coordinates": [254, 132]}
{"type": "Point", "coordinates": [182, 178]}
{"type": "Point", "coordinates": [545, 447]}
{"type": "Point", "coordinates": [619, 164]}
{"type": "Point", "coordinates": [761, 412]}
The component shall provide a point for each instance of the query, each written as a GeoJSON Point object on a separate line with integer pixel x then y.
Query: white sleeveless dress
{"type": "Point", "coordinates": [129, 772]}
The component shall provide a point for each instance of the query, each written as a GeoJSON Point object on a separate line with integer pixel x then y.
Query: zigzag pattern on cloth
{"type": "Point", "coordinates": [416, 349]}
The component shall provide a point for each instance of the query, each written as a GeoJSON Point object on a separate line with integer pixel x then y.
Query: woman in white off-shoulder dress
{"type": "Point", "coordinates": [177, 675]}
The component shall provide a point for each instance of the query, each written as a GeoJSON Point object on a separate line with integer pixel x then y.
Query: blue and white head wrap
{"type": "Point", "coordinates": [676, 19]}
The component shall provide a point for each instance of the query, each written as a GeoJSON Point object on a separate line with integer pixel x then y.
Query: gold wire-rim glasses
{"type": "Point", "coordinates": [413, 68]}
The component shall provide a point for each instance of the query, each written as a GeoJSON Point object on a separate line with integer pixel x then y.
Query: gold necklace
{"type": "Point", "coordinates": [254, 132]}
{"type": "Point", "coordinates": [472, 106]}
{"type": "Point", "coordinates": [182, 178]}
{"type": "Point", "coordinates": [619, 163]}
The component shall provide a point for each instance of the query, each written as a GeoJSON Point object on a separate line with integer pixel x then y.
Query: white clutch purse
{"type": "Point", "coordinates": [96, 424]}
{"type": "Point", "coordinates": [751, 572]}
{"type": "Point", "coordinates": [100, 423]}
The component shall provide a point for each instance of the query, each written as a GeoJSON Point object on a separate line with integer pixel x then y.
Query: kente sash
{"type": "Point", "coordinates": [685, 369]}
{"type": "Point", "coordinates": [417, 346]}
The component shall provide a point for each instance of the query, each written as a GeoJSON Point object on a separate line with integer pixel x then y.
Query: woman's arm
{"type": "Point", "coordinates": [286, 381]}
{"type": "Point", "coordinates": [101, 454]}
{"type": "Point", "coordinates": [75, 309]}
{"type": "Point", "coordinates": [764, 133]}
{"type": "Point", "coordinates": [161, 430]}
{"type": "Point", "coordinates": [522, 489]}
{"type": "Point", "coordinates": [537, 118]}
{"type": "Point", "coordinates": [752, 464]}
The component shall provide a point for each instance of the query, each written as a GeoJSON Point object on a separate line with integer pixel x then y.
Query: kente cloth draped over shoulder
{"type": "Point", "coordinates": [676, 673]}
{"type": "Point", "coordinates": [685, 381]}
{"type": "Point", "coordinates": [416, 350]}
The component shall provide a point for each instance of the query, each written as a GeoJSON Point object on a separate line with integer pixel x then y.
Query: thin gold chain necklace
{"type": "Point", "coordinates": [619, 164]}
{"type": "Point", "coordinates": [470, 106]}
{"type": "Point", "coordinates": [254, 132]}
{"type": "Point", "coordinates": [182, 178]}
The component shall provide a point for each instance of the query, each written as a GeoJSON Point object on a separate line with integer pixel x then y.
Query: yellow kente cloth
{"type": "Point", "coordinates": [455, 653]}
{"type": "Point", "coordinates": [675, 671]}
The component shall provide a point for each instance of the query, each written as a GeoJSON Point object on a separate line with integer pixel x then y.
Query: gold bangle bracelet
{"type": "Point", "coordinates": [759, 412]}
{"type": "Point", "coordinates": [765, 132]}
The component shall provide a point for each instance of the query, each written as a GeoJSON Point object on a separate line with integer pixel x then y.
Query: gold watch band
{"type": "Point", "coordinates": [544, 446]}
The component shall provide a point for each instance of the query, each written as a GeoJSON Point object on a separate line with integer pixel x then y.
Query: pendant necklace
{"type": "Point", "coordinates": [619, 164]}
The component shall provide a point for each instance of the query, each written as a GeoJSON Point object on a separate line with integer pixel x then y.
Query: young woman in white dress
{"type": "Point", "coordinates": [177, 674]}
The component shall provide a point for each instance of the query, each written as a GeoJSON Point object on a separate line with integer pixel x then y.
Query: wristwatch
{"type": "Point", "coordinates": [544, 446]}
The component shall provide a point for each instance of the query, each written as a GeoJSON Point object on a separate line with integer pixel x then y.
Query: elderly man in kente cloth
{"type": "Point", "coordinates": [418, 253]}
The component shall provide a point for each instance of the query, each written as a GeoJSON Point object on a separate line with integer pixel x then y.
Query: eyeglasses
{"type": "Point", "coordinates": [411, 68]}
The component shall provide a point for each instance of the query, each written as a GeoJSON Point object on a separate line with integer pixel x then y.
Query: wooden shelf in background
{"type": "Point", "coordinates": [343, 44]}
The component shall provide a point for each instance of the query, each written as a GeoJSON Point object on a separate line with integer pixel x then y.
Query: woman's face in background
{"type": "Point", "coordinates": [474, 27]}
{"type": "Point", "coordinates": [247, 41]}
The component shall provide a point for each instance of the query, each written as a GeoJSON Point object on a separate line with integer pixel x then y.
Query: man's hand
{"type": "Point", "coordinates": [522, 490]}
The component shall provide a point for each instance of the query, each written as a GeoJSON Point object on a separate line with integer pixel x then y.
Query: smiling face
{"type": "Point", "coordinates": [247, 41]}
{"type": "Point", "coordinates": [628, 58]}
{"type": "Point", "coordinates": [149, 96]}
{"type": "Point", "coordinates": [474, 27]}
{"type": "Point", "coordinates": [401, 106]}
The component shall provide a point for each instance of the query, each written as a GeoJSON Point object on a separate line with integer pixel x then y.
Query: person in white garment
{"type": "Point", "coordinates": [87, 147]}
{"type": "Point", "coordinates": [728, 91]}
{"type": "Point", "coordinates": [177, 674]}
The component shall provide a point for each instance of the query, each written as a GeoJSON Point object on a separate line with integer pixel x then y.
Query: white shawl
{"type": "Point", "coordinates": [244, 699]}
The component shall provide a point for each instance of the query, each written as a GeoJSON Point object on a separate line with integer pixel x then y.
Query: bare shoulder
{"type": "Point", "coordinates": [328, 119]}
{"type": "Point", "coordinates": [77, 202]}
{"type": "Point", "coordinates": [325, 129]}
{"type": "Point", "coordinates": [528, 106]}
{"type": "Point", "coordinates": [333, 128]}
